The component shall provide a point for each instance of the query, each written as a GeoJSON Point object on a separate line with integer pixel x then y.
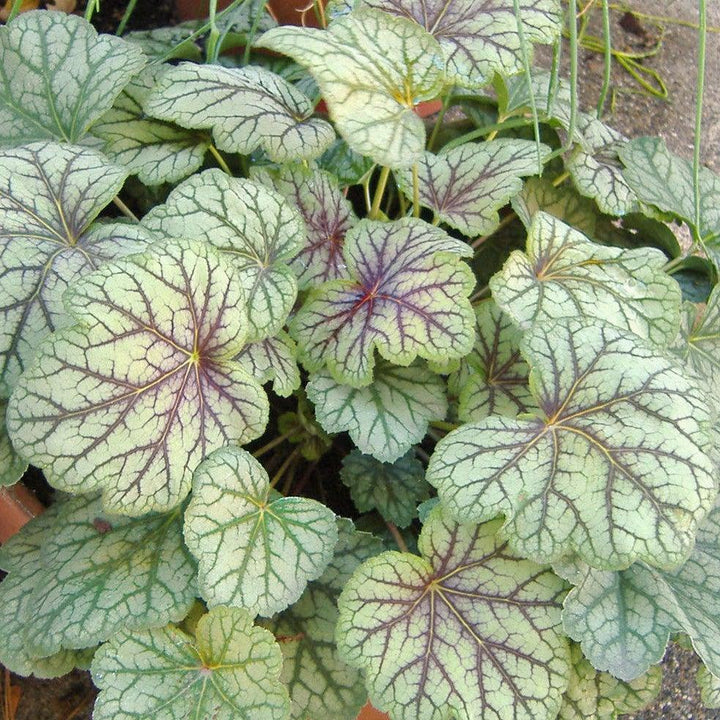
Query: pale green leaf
{"type": "Point", "coordinates": [320, 684]}
{"type": "Point", "coordinates": [57, 76]}
{"type": "Point", "coordinates": [21, 556]}
{"type": "Point", "coordinates": [466, 631]}
{"type": "Point", "coordinates": [372, 70]}
{"type": "Point", "coordinates": [667, 181]}
{"type": "Point", "coordinates": [154, 150]}
{"type": "Point", "coordinates": [102, 573]}
{"type": "Point", "coordinates": [166, 43]}
{"type": "Point", "coordinates": [709, 688]}
{"type": "Point", "coordinates": [592, 694]}
{"type": "Point", "coordinates": [393, 489]}
{"type": "Point", "coordinates": [386, 418]}
{"type": "Point", "coordinates": [345, 164]}
{"type": "Point", "coordinates": [229, 671]}
{"type": "Point", "coordinates": [404, 293]}
{"type": "Point", "coordinates": [624, 619]}
{"type": "Point", "coordinates": [481, 37]}
{"type": "Point", "coordinates": [493, 378]}
{"type": "Point", "coordinates": [328, 216]}
{"type": "Point", "coordinates": [245, 108]}
{"type": "Point", "coordinates": [133, 397]}
{"type": "Point", "coordinates": [255, 548]}
{"type": "Point", "coordinates": [614, 467]}
{"type": "Point", "coordinates": [466, 186]}
{"type": "Point", "coordinates": [250, 224]}
{"type": "Point", "coordinates": [563, 274]}
{"type": "Point", "coordinates": [49, 196]}
{"type": "Point", "coordinates": [12, 466]}
{"type": "Point", "coordinates": [272, 359]}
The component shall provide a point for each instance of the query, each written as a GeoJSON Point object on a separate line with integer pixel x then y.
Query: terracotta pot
{"type": "Point", "coordinates": [17, 507]}
{"type": "Point", "coordinates": [286, 12]}
{"type": "Point", "coordinates": [368, 712]}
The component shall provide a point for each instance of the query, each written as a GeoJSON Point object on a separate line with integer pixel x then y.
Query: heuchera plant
{"type": "Point", "coordinates": [304, 315]}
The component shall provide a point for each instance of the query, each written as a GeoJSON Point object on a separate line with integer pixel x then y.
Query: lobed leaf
{"type": "Point", "coordinates": [229, 671]}
{"type": "Point", "coordinates": [57, 76]}
{"type": "Point", "coordinates": [372, 69]}
{"type": "Point", "coordinates": [565, 275]}
{"type": "Point", "coordinates": [272, 359]}
{"type": "Point", "coordinates": [480, 37]}
{"type": "Point", "coordinates": [467, 630]}
{"type": "Point", "coordinates": [101, 573]}
{"type": "Point", "coordinates": [404, 293]}
{"type": "Point", "coordinates": [12, 466]}
{"type": "Point", "coordinates": [133, 397]}
{"type": "Point", "coordinates": [245, 108]}
{"type": "Point", "coordinates": [154, 150]}
{"type": "Point", "coordinates": [321, 685]}
{"type": "Point", "coordinates": [614, 467]}
{"type": "Point", "coordinates": [393, 489]}
{"type": "Point", "coordinates": [709, 688]}
{"type": "Point", "coordinates": [251, 225]}
{"type": "Point", "coordinates": [49, 196]}
{"type": "Point", "coordinates": [255, 549]}
{"type": "Point", "coordinates": [466, 186]}
{"type": "Point", "coordinates": [386, 418]}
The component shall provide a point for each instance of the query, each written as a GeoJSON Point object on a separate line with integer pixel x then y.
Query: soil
{"type": "Point", "coordinates": [633, 112]}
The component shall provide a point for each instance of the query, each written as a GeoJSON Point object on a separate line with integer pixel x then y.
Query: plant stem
{"type": "Point", "coordinates": [416, 191]}
{"type": "Point", "coordinates": [212, 49]}
{"type": "Point", "coordinates": [397, 537]}
{"type": "Point", "coordinates": [219, 159]}
{"type": "Point", "coordinates": [273, 443]}
{"type": "Point", "coordinates": [14, 10]}
{"type": "Point", "coordinates": [125, 210]}
{"type": "Point", "coordinates": [489, 130]}
{"type": "Point", "coordinates": [253, 31]}
{"type": "Point", "coordinates": [671, 265]}
{"type": "Point", "coordinates": [442, 425]}
{"type": "Point", "coordinates": [477, 242]}
{"type": "Point", "coordinates": [286, 464]}
{"type": "Point", "coordinates": [481, 294]}
{"type": "Point", "coordinates": [607, 58]}
{"type": "Point", "coordinates": [572, 27]}
{"type": "Point", "coordinates": [702, 37]}
{"type": "Point", "coordinates": [126, 17]}
{"type": "Point", "coordinates": [379, 192]}
{"type": "Point", "coordinates": [438, 121]}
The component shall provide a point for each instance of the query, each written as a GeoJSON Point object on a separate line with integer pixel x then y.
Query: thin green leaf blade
{"type": "Point", "coordinates": [254, 550]}
{"type": "Point", "coordinates": [418, 627]}
{"type": "Point", "coordinates": [229, 671]}
{"type": "Point", "coordinates": [57, 76]}
{"type": "Point", "coordinates": [615, 468]}
{"type": "Point", "coordinates": [133, 397]}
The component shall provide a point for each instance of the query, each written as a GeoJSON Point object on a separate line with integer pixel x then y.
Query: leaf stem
{"type": "Point", "coordinates": [14, 10]}
{"type": "Point", "coordinates": [286, 464]}
{"type": "Point", "coordinates": [125, 210]}
{"type": "Point", "coordinates": [379, 192]}
{"type": "Point", "coordinates": [416, 191]}
{"type": "Point", "coordinates": [438, 121]}
{"type": "Point", "coordinates": [126, 17]}
{"type": "Point", "coordinates": [397, 537]}
{"type": "Point", "coordinates": [253, 31]}
{"type": "Point", "coordinates": [700, 84]}
{"type": "Point", "coordinates": [219, 159]}
{"type": "Point", "coordinates": [273, 443]}
{"type": "Point", "coordinates": [477, 242]}
{"type": "Point", "coordinates": [442, 425]}
{"type": "Point", "coordinates": [672, 265]}
{"type": "Point", "coordinates": [607, 58]}
{"type": "Point", "coordinates": [486, 130]}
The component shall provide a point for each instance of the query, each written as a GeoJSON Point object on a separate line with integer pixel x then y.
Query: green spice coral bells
{"type": "Point", "coordinates": [314, 338]}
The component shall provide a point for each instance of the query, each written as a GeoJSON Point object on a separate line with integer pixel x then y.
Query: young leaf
{"type": "Point", "coordinates": [253, 226]}
{"type": "Point", "coordinates": [565, 275]}
{"type": "Point", "coordinates": [372, 70]}
{"type": "Point", "coordinates": [154, 150]}
{"type": "Point", "coordinates": [345, 164]}
{"type": "Point", "coordinates": [709, 688]}
{"type": "Point", "coordinates": [615, 467]}
{"type": "Point", "coordinates": [404, 293]}
{"type": "Point", "coordinates": [101, 573]}
{"type": "Point", "coordinates": [12, 466]}
{"type": "Point", "coordinates": [667, 181]}
{"type": "Point", "coordinates": [229, 671]}
{"type": "Point", "coordinates": [328, 216]}
{"type": "Point", "coordinates": [480, 37]}
{"type": "Point", "coordinates": [246, 109]}
{"type": "Point", "coordinates": [166, 43]}
{"type": "Point", "coordinates": [592, 694]}
{"type": "Point", "coordinates": [394, 490]}
{"type": "Point", "coordinates": [493, 378]}
{"type": "Point", "coordinates": [135, 395]}
{"type": "Point", "coordinates": [255, 549]}
{"type": "Point", "coordinates": [49, 196]}
{"type": "Point", "coordinates": [386, 418]}
{"type": "Point", "coordinates": [272, 359]}
{"type": "Point", "coordinates": [624, 619]}
{"type": "Point", "coordinates": [320, 684]}
{"type": "Point", "coordinates": [467, 630]}
{"type": "Point", "coordinates": [466, 186]}
{"type": "Point", "coordinates": [57, 76]}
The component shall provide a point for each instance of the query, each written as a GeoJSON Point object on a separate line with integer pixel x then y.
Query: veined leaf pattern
{"type": "Point", "coordinates": [245, 108]}
{"type": "Point", "coordinates": [615, 467]}
{"type": "Point", "coordinates": [49, 196]}
{"type": "Point", "coordinates": [255, 548]}
{"type": "Point", "coordinates": [372, 70]}
{"type": "Point", "coordinates": [12, 466]}
{"type": "Point", "coordinates": [133, 397]}
{"type": "Point", "coordinates": [404, 294]}
{"type": "Point", "coordinates": [467, 630]}
{"type": "Point", "coordinates": [709, 688]}
{"type": "Point", "coordinates": [272, 359]}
